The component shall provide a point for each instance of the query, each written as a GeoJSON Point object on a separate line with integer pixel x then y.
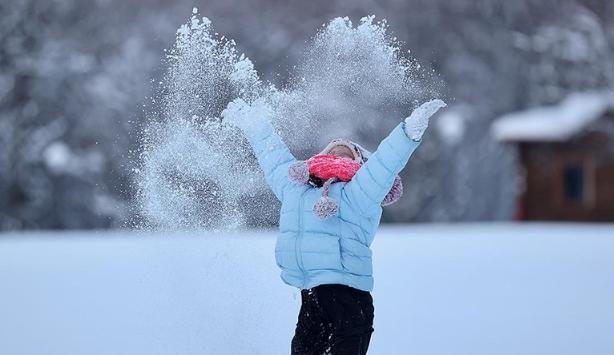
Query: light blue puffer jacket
{"type": "Point", "coordinates": [311, 251]}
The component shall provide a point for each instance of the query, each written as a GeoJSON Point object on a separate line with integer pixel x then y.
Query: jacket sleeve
{"type": "Point", "coordinates": [375, 178]}
{"type": "Point", "coordinates": [273, 155]}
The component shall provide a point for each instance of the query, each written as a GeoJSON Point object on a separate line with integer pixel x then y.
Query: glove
{"type": "Point", "coordinates": [418, 121]}
{"type": "Point", "coordinates": [244, 116]}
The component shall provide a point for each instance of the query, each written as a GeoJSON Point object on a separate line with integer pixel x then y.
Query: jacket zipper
{"type": "Point", "coordinates": [297, 243]}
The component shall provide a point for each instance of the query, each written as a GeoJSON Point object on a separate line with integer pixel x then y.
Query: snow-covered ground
{"type": "Point", "coordinates": [474, 289]}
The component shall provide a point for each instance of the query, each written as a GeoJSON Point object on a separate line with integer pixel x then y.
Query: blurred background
{"type": "Point", "coordinates": [528, 134]}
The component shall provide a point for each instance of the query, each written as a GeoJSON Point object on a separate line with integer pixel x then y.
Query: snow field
{"type": "Point", "coordinates": [439, 289]}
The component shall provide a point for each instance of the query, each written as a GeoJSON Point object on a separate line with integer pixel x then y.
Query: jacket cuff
{"type": "Point", "coordinates": [401, 140]}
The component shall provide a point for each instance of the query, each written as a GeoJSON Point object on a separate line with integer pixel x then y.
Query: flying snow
{"type": "Point", "coordinates": [196, 172]}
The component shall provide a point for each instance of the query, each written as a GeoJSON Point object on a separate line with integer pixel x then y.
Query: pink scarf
{"type": "Point", "coordinates": [331, 168]}
{"type": "Point", "coordinates": [326, 166]}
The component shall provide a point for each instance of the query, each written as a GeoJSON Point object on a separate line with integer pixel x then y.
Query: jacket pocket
{"type": "Point", "coordinates": [356, 257]}
{"type": "Point", "coordinates": [285, 254]}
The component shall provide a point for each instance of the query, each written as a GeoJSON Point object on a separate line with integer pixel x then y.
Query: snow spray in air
{"type": "Point", "coordinates": [196, 172]}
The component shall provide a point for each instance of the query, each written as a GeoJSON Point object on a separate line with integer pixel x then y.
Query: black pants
{"type": "Point", "coordinates": [334, 319]}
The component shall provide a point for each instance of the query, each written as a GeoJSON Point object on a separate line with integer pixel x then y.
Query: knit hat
{"type": "Point", "coordinates": [323, 169]}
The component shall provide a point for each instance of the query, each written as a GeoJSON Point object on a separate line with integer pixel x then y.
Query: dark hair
{"type": "Point", "coordinates": [315, 181]}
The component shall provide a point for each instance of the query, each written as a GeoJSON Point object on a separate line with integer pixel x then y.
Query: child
{"type": "Point", "coordinates": [331, 208]}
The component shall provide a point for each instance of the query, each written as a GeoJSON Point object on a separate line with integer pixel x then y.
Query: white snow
{"type": "Point", "coordinates": [554, 123]}
{"type": "Point", "coordinates": [439, 289]}
{"type": "Point", "coordinates": [193, 170]}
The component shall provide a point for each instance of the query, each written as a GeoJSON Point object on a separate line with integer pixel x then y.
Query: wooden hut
{"type": "Point", "coordinates": [566, 156]}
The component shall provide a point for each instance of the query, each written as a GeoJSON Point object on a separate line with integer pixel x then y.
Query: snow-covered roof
{"type": "Point", "coordinates": [554, 123]}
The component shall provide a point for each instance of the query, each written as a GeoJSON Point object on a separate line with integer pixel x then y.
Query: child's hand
{"type": "Point", "coordinates": [240, 114]}
{"type": "Point", "coordinates": [418, 121]}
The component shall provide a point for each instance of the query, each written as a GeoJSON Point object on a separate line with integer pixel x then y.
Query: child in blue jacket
{"type": "Point", "coordinates": [327, 222]}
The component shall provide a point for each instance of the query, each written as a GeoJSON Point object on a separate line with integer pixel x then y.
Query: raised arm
{"type": "Point", "coordinates": [273, 155]}
{"type": "Point", "coordinates": [374, 179]}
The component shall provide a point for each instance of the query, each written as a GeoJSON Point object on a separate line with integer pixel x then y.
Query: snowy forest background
{"type": "Point", "coordinates": [75, 76]}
